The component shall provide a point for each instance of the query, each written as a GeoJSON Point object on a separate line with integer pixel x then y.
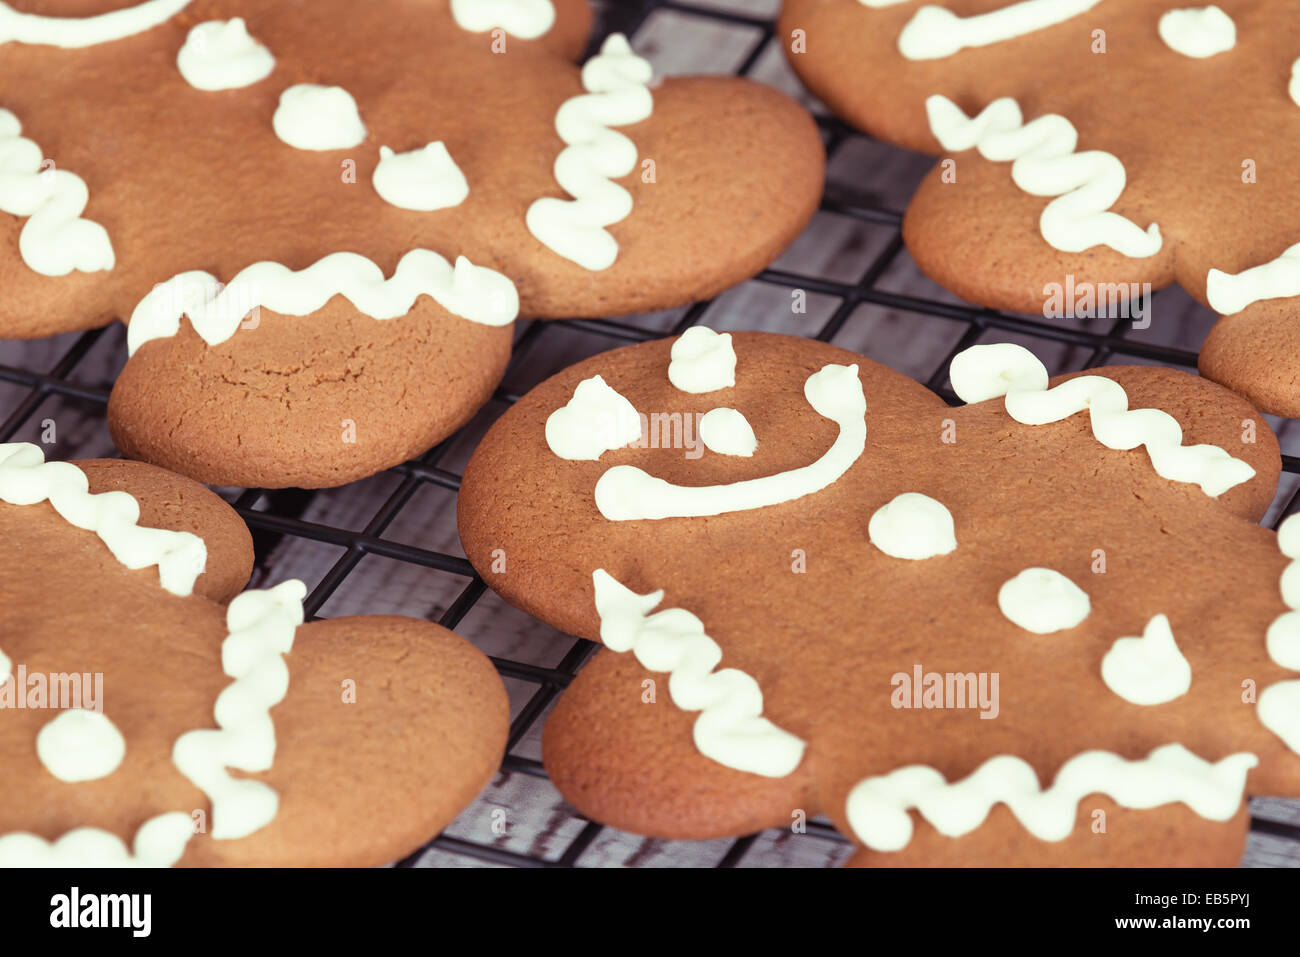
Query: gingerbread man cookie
{"type": "Point", "coordinates": [149, 717]}
{"type": "Point", "coordinates": [1094, 148]}
{"type": "Point", "coordinates": [1039, 628]}
{"type": "Point", "coordinates": [320, 219]}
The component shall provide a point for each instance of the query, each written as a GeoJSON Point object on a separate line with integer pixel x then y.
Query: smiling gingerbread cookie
{"type": "Point", "coordinates": [1040, 628]}
{"type": "Point", "coordinates": [1108, 146]}
{"type": "Point", "coordinates": [149, 717]}
{"type": "Point", "coordinates": [319, 220]}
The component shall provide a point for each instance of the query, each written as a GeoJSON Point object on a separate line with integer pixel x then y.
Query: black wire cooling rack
{"type": "Point", "coordinates": [273, 516]}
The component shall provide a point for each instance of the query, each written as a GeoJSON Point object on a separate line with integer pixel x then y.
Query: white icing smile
{"type": "Point", "coordinates": [625, 492]}
{"type": "Point", "coordinates": [74, 32]}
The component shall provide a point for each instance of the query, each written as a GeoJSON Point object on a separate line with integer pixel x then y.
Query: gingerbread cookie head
{"type": "Point", "coordinates": [861, 598]}
{"type": "Point", "coordinates": [1095, 150]}
{"type": "Point", "coordinates": [146, 718]}
{"type": "Point", "coordinates": [288, 199]}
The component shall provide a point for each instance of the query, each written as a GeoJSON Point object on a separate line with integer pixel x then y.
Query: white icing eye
{"type": "Point", "coordinates": [596, 420]}
{"type": "Point", "coordinates": [912, 526]}
{"type": "Point", "coordinates": [1043, 601]}
{"type": "Point", "coordinates": [313, 117]}
{"type": "Point", "coordinates": [702, 361]}
{"type": "Point", "coordinates": [1147, 670]}
{"type": "Point", "coordinates": [727, 432]}
{"type": "Point", "coordinates": [426, 179]}
{"type": "Point", "coordinates": [80, 746]}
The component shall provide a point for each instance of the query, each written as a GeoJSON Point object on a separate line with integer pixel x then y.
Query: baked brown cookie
{"type": "Point", "coordinates": [145, 721]}
{"type": "Point", "coordinates": [851, 608]}
{"type": "Point", "coordinates": [329, 163]}
{"type": "Point", "coordinates": [1096, 149]}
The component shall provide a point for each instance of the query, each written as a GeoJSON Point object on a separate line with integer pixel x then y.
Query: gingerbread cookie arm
{"type": "Point", "coordinates": [638, 768]}
{"type": "Point", "coordinates": [338, 765]}
{"type": "Point", "coordinates": [310, 401]}
{"type": "Point", "coordinates": [171, 501]}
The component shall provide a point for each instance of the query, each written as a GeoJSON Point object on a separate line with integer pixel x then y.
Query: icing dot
{"type": "Point", "coordinates": [313, 117]}
{"type": "Point", "coordinates": [912, 526]}
{"type": "Point", "coordinates": [425, 179]}
{"type": "Point", "coordinates": [1198, 32]}
{"type": "Point", "coordinates": [702, 361]}
{"type": "Point", "coordinates": [727, 432]}
{"type": "Point", "coordinates": [526, 19]}
{"type": "Point", "coordinates": [596, 420]}
{"type": "Point", "coordinates": [1043, 601]}
{"type": "Point", "coordinates": [220, 55]}
{"type": "Point", "coordinates": [1294, 87]}
{"type": "Point", "coordinates": [80, 746]}
{"type": "Point", "coordinates": [1147, 670]}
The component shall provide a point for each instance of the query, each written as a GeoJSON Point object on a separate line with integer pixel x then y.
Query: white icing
{"type": "Point", "coordinates": [220, 55]}
{"type": "Point", "coordinates": [526, 19]}
{"type": "Point", "coordinates": [215, 311]}
{"type": "Point", "coordinates": [261, 628]}
{"type": "Point", "coordinates": [877, 807]}
{"type": "Point", "coordinates": [425, 179]}
{"type": "Point", "coordinates": [982, 372]}
{"type": "Point", "coordinates": [730, 729]}
{"type": "Point", "coordinates": [702, 360]}
{"type": "Point", "coordinates": [881, 3]}
{"type": "Point", "coordinates": [617, 95]}
{"type": "Point", "coordinates": [1044, 163]}
{"type": "Point", "coordinates": [314, 117]}
{"type": "Point", "coordinates": [1042, 600]}
{"type": "Point", "coordinates": [1294, 86]}
{"type": "Point", "coordinates": [935, 32]}
{"type": "Point", "coordinates": [596, 420]}
{"type": "Point", "coordinates": [159, 842]}
{"type": "Point", "coordinates": [56, 239]}
{"type": "Point", "coordinates": [1147, 670]}
{"type": "Point", "coordinates": [74, 32]}
{"type": "Point", "coordinates": [6, 667]}
{"type": "Point", "coordinates": [727, 432]}
{"type": "Point", "coordinates": [80, 745]}
{"type": "Point", "coordinates": [1232, 292]}
{"type": "Point", "coordinates": [1279, 711]}
{"type": "Point", "coordinates": [626, 492]}
{"type": "Point", "coordinates": [912, 526]}
{"type": "Point", "coordinates": [1198, 32]}
{"type": "Point", "coordinates": [27, 479]}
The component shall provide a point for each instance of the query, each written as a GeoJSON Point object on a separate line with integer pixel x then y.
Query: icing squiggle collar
{"type": "Point", "coordinates": [473, 292]}
{"type": "Point", "coordinates": [730, 728]}
{"type": "Point", "coordinates": [1278, 707]}
{"type": "Point", "coordinates": [1004, 369]}
{"type": "Point", "coordinates": [75, 32]}
{"type": "Point", "coordinates": [877, 807]}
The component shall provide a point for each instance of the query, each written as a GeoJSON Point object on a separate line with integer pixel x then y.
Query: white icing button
{"type": "Point", "coordinates": [596, 420]}
{"type": "Point", "coordinates": [727, 432]}
{"type": "Point", "coordinates": [80, 746]}
{"type": "Point", "coordinates": [313, 117]}
{"type": "Point", "coordinates": [1043, 601]}
{"type": "Point", "coordinates": [220, 55]}
{"type": "Point", "coordinates": [992, 371]}
{"type": "Point", "coordinates": [1279, 711]}
{"type": "Point", "coordinates": [425, 179]}
{"type": "Point", "coordinates": [912, 526]}
{"type": "Point", "coordinates": [526, 19]}
{"type": "Point", "coordinates": [702, 361]}
{"type": "Point", "coordinates": [1198, 32]}
{"type": "Point", "coordinates": [1147, 670]}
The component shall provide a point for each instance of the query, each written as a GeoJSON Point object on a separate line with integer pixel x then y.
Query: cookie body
{"type": "Point", "coordinates": [1195, 171]}
{"type": "Point", "coordinates": [799, 597]}
{"type": "Point", "coordinates": [364, 697]}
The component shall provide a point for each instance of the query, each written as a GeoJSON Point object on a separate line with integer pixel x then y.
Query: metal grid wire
{"type": "Point", "coordinates": [273, 516]}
